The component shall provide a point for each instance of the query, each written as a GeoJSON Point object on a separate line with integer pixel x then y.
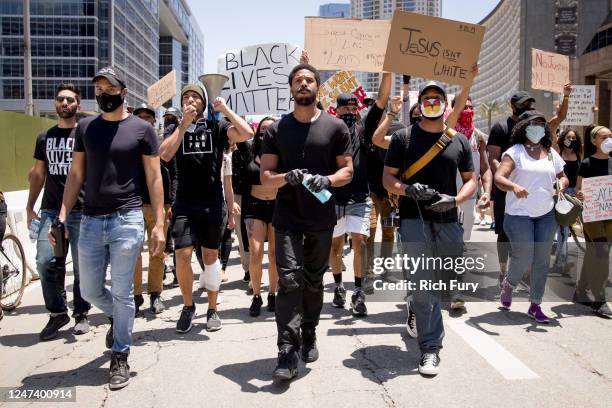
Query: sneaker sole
{"type": "Point", "coordinates": [411, 334]}
{"type": "Point", "coordinates": [47, 338]}
{"type": "Point", "coordinates": [338, 306]}
{"type": "Point", "coordinates": [213, 329]}
{"type": "Point", "coordinates": [429, 372]}
{"type": "Point", "coordinates": [118, 386]}
{"type": "Point", "coordinates": [253, 314]}
{"type": "Point", "coordinates": [539, 321]}
{"type": "Point", "coordinates": [185, 331]}
{"type": "Point", "coordinates": [308, 360]}
{"type": "Point", "coordinates": [80, 332]}
{"type": "Point", "coordinates": [284, 376]}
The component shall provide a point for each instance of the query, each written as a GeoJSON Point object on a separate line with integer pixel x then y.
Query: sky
{"type": "Point", "coordinates": [231, 24]}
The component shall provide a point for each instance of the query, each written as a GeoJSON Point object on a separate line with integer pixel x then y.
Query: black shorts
{"type": "Point", "coordinates": [203, 227]}
{"type": "Point", "coordinates": [254, 208]}
{"type": "Point", "coordinates": [499, 208]}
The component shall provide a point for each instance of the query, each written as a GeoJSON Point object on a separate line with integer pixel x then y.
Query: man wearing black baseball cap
{"type": "Point", "coordinates": [353, 209]}
{"type": "Point", "coordinates": [199, 211]}
{"type": "Point", "coordinates": [112, 228]}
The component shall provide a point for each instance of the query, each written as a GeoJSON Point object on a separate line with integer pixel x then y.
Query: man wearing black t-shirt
{"type": "Point", "coordinates": [428, 207]}
{"type": "Point", "coordinates": [311, 144]}
{"type": "Point", "coordinates": [199, 211]}
{"type": "Point", "coordinates": [110, 152]}
{"type": "Point", "coordinates": [53, 155]}
{"type": "Point", "coordinates": [498, 143]}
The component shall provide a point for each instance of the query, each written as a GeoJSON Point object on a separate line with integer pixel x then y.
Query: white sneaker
{"type": "Point", "coordinates": [411, 327]}
{"type": "Point", "coordinates": [430, 364]}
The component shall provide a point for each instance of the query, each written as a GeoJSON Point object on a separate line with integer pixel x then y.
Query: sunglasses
{"type": "Point", "coordinates": [60, 99]}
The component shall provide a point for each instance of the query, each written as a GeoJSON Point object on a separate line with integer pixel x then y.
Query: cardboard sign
{"type": "Point", "coordinates": [340, 82]}
{"type": "Point", "coordinates": [258, 78]}
{"type": "Point", "coordinates": [163, 90]}
{"type": "Point", "coordinates": [549, 71]}
{"type": "Point", "coordinates": [597, 198]}
{"type": "Point", "coordinates": [341, 43]}
{"type": "Point", "coordinates": [433, 48]}
{"type": "Point", "coordinates": [580, 108]}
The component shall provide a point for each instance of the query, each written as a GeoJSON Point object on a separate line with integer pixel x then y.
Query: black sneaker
{"type": "Point", "coordinates": [309, 351]}
{"type": "Point", "coordinates": [411, 328]}
{"type": "Point", "coordinates": [157, 305]}
{"type": "Point", "coordinates": [119, 371]}
{"type": "Point", "coordinates": [602, 309]}
{"type": "Point", "coordinates": [339, 297]}
{"type": "Point", "coordinates": [246, 277]}
{"type": "Point", "coordinates": [271, 302]}
{"type": "Point", "coordinates": [430, 364]}
{"type": "Point", "coordinates": [138, 301]}
{"type": "Point", "coordinates": [582, 298]}
{"type": "Point", "coordinates": [109, 334]}
{"type": "Point", "coordinates": [287, 365]}
{"type": "Point", "coordinates": [255, 308]}
{"type": "Point", "coordinates": [184, 323]}
{"type": "Point", "coordinates": [358, 306]}
{"type": "Point", "coordinates": [55, 323]}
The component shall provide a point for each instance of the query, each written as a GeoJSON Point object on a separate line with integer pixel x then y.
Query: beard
{"type": "Point", "coordinates": [305, 99]}
{"type": "Point", "coordinates": [66, 113]}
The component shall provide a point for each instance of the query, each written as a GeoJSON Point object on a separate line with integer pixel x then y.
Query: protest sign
{"type": "Point", "coordinates": [433, 48]}
{"type": "Point", "coordinates": [340, 82]}
{"type": "Point", "coordinates": [258, 78]}
{"type": "Point", "coordinates": [163, 90]}
{"type": "Point", "coordinates": [341, 43]}
{"type": "Point", "coordinates": [580, 107]}
{"type": "Point", "coordinates": [597, 198]}
{"type": "Point", "coordinates": [549, 71]}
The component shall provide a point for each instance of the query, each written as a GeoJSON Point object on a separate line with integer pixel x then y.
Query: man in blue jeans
{"type": "Point", "coordinates": [110, 152]}
{"type": "Point", "coordinates": [428, 207]}
{"type": "Point", "coordinates": [53, 155]}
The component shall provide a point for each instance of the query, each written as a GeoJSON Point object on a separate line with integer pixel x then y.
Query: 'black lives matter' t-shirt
{"type": "Point", "coordinates": [54, 147]}
{"type": "Point", "coordinates": [313, 146]}
{"type": "Point", "coordinates": [114, 152]}
{"type": "Point", "coordinates": [357, 190]}
{"type": "Point", "coordinates": [199, 159]}
{"type": "Point", "coordinates": [500, 135]}
{"type": "Point", "coordinates": [440, 173]}
{"type": "Point", "coordinates": [594, 167]}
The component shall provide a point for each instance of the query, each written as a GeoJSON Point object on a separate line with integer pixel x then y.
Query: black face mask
{"type": "Point", "coordinates": [414, 120]}
{"type": "Point", "coordinates": [350, 119]}
{"type": "Point", "coordinates": [109, 103]}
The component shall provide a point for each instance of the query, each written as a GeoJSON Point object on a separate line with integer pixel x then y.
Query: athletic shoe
{"type": "Point", "coordinates": [213, 321]}
{"type": "Point", "coordinates": [55, 323]}
{"type": "Point", "coordinates": [271, 302]}
{"type": "Point", "coordinates": [602, 310]}
{"type": "Point", "coordinates": [430, 364]}
{"type": "Point", "coordinates": [246, 277]}
{"type": "Point", "coordinates": [358, 306]}
{"type": "Point", "coordinates": [287, 365]}
{"type": "Point", "coordinates": [157, 305]}
{"type": "Point", "coordinates": [309, 351]}
{"type": "Point", "coordinates": [184, 323]}
{"type": "Point", "coordinates": [339, 297]}
{"type": "Point", "coordinates": [411, 327]}
{"type": "Point", "coordinates": [119, 371]}
{"type": "Point", "coordinates": [256, 304]}
{"type": "Point", "coordinates": [581, 297]}
{"type": "Point", "coordinates": [506, 295]}
{"type": "Point", "coordinates": [138, 301]}
{"type": "Point", "coordinates": [368, 283]}
{"type": "Point", "coordinates": [81, 325]}
{"type": "Point", "coordinates": [224, 277]}
{"type": "Point", "coordinates": [109, 335]}
{"type": "Point", "coordinates": [535, 312]}
{"type": "Point", "coordinates": [457, 303]}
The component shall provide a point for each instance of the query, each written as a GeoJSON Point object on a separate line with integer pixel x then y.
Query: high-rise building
{"type": "Point", "coordinates": [514, 27]}
{"type": "Point", "coordinates": [336, 10]}
{"type": "Point", "coordinates": [383, 10]}
{"type": "Point", "coordinates": [72, 39]}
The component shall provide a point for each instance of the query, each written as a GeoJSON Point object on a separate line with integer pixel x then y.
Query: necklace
{"type": "Point", "coordinates": [533, 148]}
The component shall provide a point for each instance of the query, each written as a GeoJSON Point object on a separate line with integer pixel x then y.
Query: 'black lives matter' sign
{"type": "Point", "coordinates": [433, 48]}
{"type": "Point", "coordinates": [258, 78]}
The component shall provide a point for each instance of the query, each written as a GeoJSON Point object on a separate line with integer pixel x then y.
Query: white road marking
{"type": "Point", "coordinates": [510, 367]}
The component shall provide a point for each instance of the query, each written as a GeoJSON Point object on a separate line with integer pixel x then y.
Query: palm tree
{"type": "Point", "coordinates": [490, 108]}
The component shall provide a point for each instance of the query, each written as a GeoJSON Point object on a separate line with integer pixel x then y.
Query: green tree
{"type": "Point", "coordinates": [489, 109]}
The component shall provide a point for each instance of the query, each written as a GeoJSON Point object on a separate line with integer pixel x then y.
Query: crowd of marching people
{"type": "Point", "coordinates": [302, 183]}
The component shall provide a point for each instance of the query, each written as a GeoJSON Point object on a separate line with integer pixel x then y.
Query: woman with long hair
{"type": "Point", "coordinates": [528, 171]}
{"type": "Point", "coordinates": [257, 211]}
{"type": "Point", "coordinates": [595, 268]}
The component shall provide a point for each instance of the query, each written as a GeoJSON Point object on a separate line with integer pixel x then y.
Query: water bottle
{"type": "Point", "coordinates": [34, 227]}
{"type": "Point", "coordinates": [323, 196]}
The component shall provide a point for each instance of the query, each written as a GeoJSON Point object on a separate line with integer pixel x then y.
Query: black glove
{"type": "Point", "coordinates": [419, 192]}
{"type": "Point", "coordinates": [444, 204]}
{"type": "Point", "coordinates": [295, 176]}
{"type": "Point", "coordinates": [406, 79]}
{"type": "Point", "coordinates": [318, 183]}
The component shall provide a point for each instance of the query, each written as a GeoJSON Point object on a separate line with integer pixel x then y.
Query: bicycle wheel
{"type": "Point", "coordinates": [12, 272]}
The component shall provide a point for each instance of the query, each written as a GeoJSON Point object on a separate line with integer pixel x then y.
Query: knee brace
{"type": "Point", "coordinates": [212, 276]}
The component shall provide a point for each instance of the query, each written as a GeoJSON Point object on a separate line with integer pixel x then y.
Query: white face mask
{"type": "Point", "coordinates": [535, 133]}
{"type": "Point", "coordinates": [606, 145]}
{"type": "Point", "coordinates": [567, 142]}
